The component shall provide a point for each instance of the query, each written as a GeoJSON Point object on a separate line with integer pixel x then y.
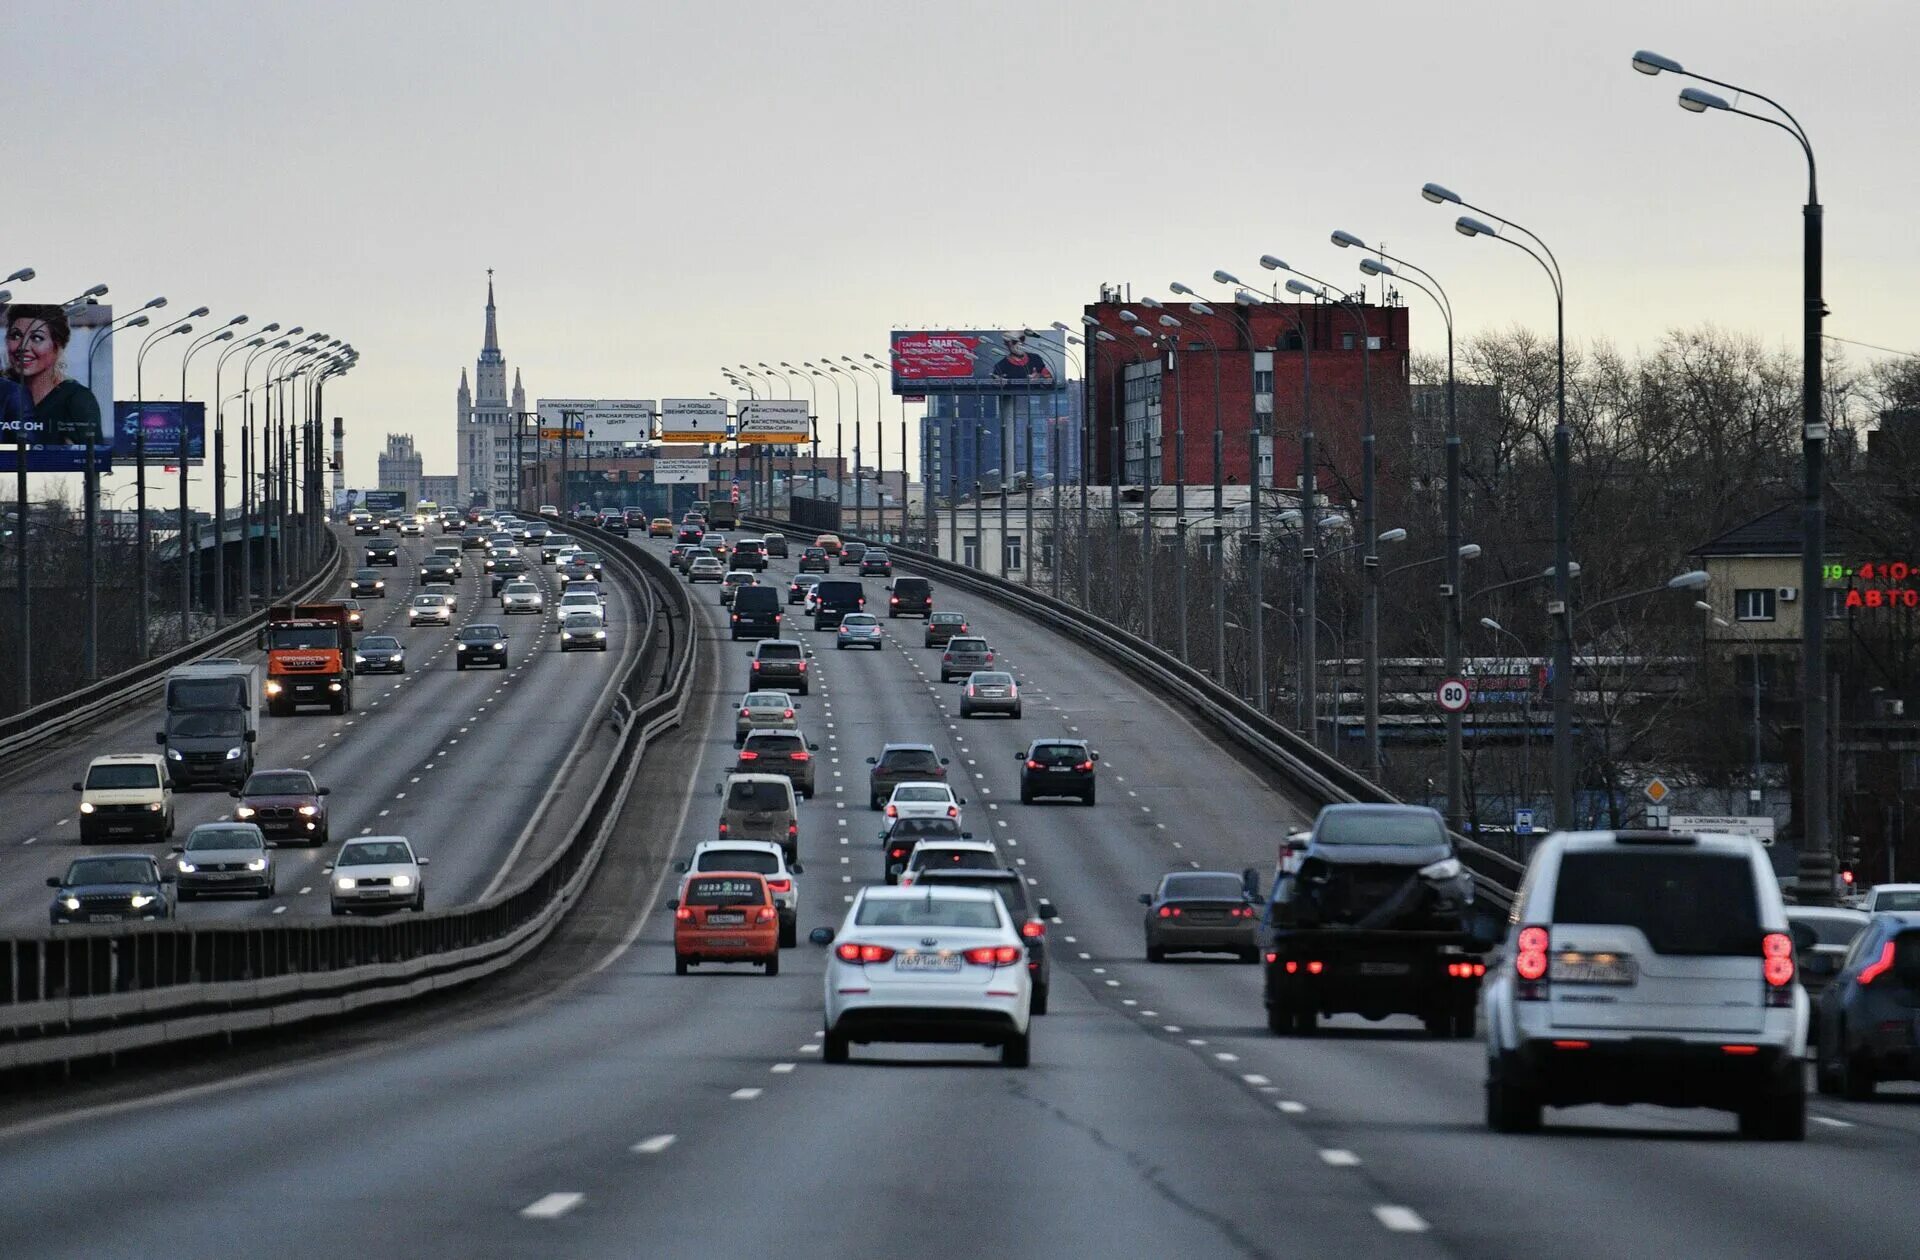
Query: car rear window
{"type": "Point", "coordinates": [757, 796]}
{"type": "Point", "coordinates": [739, 860]}
{"type": "Point", "coordinates": [1218, 887]}
{"type": "Point", "coordinates": [1380, 827]}
{"type": "Point", "coordinates": [776, 743]}
{"type": "Point", "coordinates": [926, 912]}
{"type": "Point", "coordinates": [1896, 901]}
{"type": "Point", "coordinates": [719, 891]}
{"type": "Point", "coordinates": [984, 678]}
{"type": "Point", "coordinates": [911, 759]}
{"type": "Point", "coordinates": [840, 592]}
{"type": "Point", "coordinates": [757, 599]}
{"type": "Point", "coordinates": [966, 645]}
{"type": "Point", "coordinates": [958, 859]}
{"type": "Point", "coordinates": [948, 619]}
{"type": "Point", "coordinates": [1683, 903]}
{"type": "Point", "coordinates": [779, 651]}
{"type": "Point", "coordinates": [1058, 754]}
{"type": "Point", "coordinates": [921, 792]}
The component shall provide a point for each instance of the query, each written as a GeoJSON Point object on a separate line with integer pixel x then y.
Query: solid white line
{"type": "Point", "coordinates": [549, 1206]}
{"type": "Point", "coordinates": [1339, 1159]}
{"type": "Point", "coordinates": [744, 1095]}
{"type": "Point", "coordinates": [1401, 1220]}
{"type": "Point", "coordinates": [653, 1145]}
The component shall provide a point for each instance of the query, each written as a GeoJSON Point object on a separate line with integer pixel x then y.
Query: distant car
{"type": "Point", "coordinates": [1030, 913]}
{"type": "Point", "coordinates": [775, 545]}
{"type": "Point", "coordinates": [552, 545]}
{"type": "Point", "coordinates": [111, 888]}
{"type": "Point", "coordinates": [732, 581]}
{"type": "Point", "coordinates": [780, 663]}
{"type": "Point", "coordinates": [224, 858]}
{"type": "Point", "coordinates": [474, 538]}
{"type": "Point", "coordinates": [902, 763]}
{"type": "Point", "coordinates": [756, 613]}
{"type": "Point", "coordinates": [356, 614]}
{"type": "Point", "coordinates": [719, 545]}
{"type": "Point", "coordinates": [691, 554]}
{"type": "Point", "coordinates": [797, 590]}
{"type": "Point", "coordinates": [411, 528]}
{"type": "Point", "coordinates": [827, 544]}
{"type": "Point", "coordinates": [725, 916]}
{"type": "Point", "coordinates": [581, 601]}
{"type": "Point", "coordinates": [521, 597]}
{"type": "Point", "coordinates": [284, 804]}
{"type": "Point", "coordinates": [924, 800]}
{"type": "Point", "coordinates": [908, 596]}
{"type": "Point", "coordinates": [376, 873]}
{"type": "Point", "coordinates": [956, 855]}
{"type": "Point", "coordinates": [859, 630]}
{"type": "Point", "coordinates": [1864, 1024]}
{"type": "Point", "coordinates": [429, 610]}
{"type": "Point", "coordinates": [549, 510]}
{"type": "Point", "coordinates": [779, 752]}
{"type": "Point", "coordinates": [902, 834]}
{"type": "Point", "coordinates": [677, 553]}
{"type": "Point", "coordinates": [764, 711]}
{"type": "Point", "coordinates": [706, 569]}
{"type": "Point", "coordinates": [1822, 935]}
{"type": "Point", "coordinates": [851, 554]}
{"type": "Point", "coordinates": [876, 564]}
{"type": "Point", "coordinates": [496, 554]}
{"type": "Point", "coordinates": [1201, 912]}
{"type": "Point", "coordinates": [438, 568]}
{"type": "Point", "coordinates": [1057, 767]}
{"type": "Point", "coordinates": [380, 654]}
{"type": "Point", "coordinates": [990, 691]}
{"type": "Point", "coordinates": [480, 644]}
{"type": "Point", "coordinates": [614, 523]}
{"type": "Point", "coordinates": [943, 626]}
{"type": "Point", "coordinates": [934, 964]}
{"type": "Point", "coordinates": [508, 569]}
{"type": "Point", "coordinates": [364, 524]}
{"type": "Point", "coordinates": [815, 560]}
{"type": "Point", "coordinates": [750, 553]}
{"type": "Point", "coordinates": [367, 584]}
{"type": "Point", "coordinates": [383, 551]}
{"type": "Point", "coordinates": [1883, 897]}
{"type": "Point", "coordinates": [964, 655]}
{"type": "Point", "coordinates": [690, 534]}
{"type": "Point", "coordinates": [583, 631]}
{"type": "Point", "coordinates": [660, 527]}
{"type": "Point", "coordinates": [762, 858]}
{"type": "Point", "coordinates": [449, 593]}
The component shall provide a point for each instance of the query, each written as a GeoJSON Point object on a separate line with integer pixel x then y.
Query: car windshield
{"type": "Point", "coordinates": [779, 651]}
{"type": "Point", "coordinates": [761, 861]}
{"type": "Point", "coordinates": [429, 601]}
{"type": "Point", "coordinates": [1683, 902]}
{"type": "Point", "coordinates": [1902, 899]}
{"type": "Point", "coordinates": [751, 796]}
{"type": "Point", "coordinates": [367, 575]}
{"type": "Point", "coordinates": [522, 588]}
{"type": "Point", "coordinates": [206, 725]}
{"type": "Point", "coordinates": [279, 783]}
{"type": "Point", "coordinates": [304, 637]}
{"type": "Point", "coordinates": [721, 891]}
{"type": "Point", "coordinates": [126, 870]}
{"type": "Point", "coordinates": [379, 643]}
{"type": "Point", "coordinates": [921, 792]}
{"type": "Point", "coordinates": [926, 912]}
{"type": "Point", "coordinates": [1211, 886]}
{"type": "Point", "coordinates": [375, 853]}
{"type": "Point", "coordinates": [481, 632]}
{"type": "Point", "coordinates": [899, 759]}
{"type": "Point", "coordinates": [219, 837]}
{"type": "Point", "coordinates": [957, 859]}
{"type": "Point", "coordinates": [586, 557]}
{"type": "Point", "coordinates": [581, 621]}
{"type": "Point", "coordinates": [1380, 826]}
{"type": "Point", "coordinates": [120, 777]}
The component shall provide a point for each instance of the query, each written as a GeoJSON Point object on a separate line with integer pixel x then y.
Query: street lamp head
{"type": "Point", "coordinates": [1467, 225]}
{"type": "Point", "coordinates": [1438, 193]}
{"type": "Point", "coordinates": [1690, 581]}
{"type": "Point", "coordinates": [1491, 624]}
{"type": "Point", "coordinates": [1128, 317]}
{"type": "Point", "coordinates": [1723, 623]}
{"type": "Point", "coordinates": [1653, 63]}
{"type": "Point", "coordinates": [1168, 321]}
{"type": "Point", "coordinates": [154, 304]}
{"type": "Point", "coordinates": [1141, 330]}
{"type": "Point", "coordinates": [179, 329]}
{"type": "Point", "coordinates": [98, 290]}
{"type": "Point", "coordinates": [1057, 326]}
{"type": "Point", "coordinates": [1695, 101]}
{"type": "Point", "coordinates": [1345, 239]}
{"type": "Point", "coordinates": [1271, 263]}
{"type": "Point", "coordinates": [1469, 551]}
{"type": "Point", "coordinates": [1243, 298]}
{"type": "Point", "coordinates": [1394, 535]}
{"type": "Point", "coordinates": [225, 334]}
{"type": "Point", "coordinates": [1104, 335]}
{"type": "Point", "coordinates": [1703, 605]}
{"type": "Point", "coordinates": [1074, 341]}
{"type": "Point", "coordinates": [1200, 308]}
{"type": "Point", "coordinates": [1374, 267]}
{"type": "Point", "coordinates": [197, 312]}
{"type": "Point", "coordinates": [1088, 321]}
{"type": "Point", "coordinates": [138, 321]}
{"type": "Point", "coordinates": [1301, 286]}
{"type": "Point", "coordinates": [1151, 303]}
{"type": "Point", "coordinates": [236, 321]}
{"type": "Point", "coordinates": [22, 275]}
{"type": "Point", "coordinates": [296, 330]}
{"type": "Point", "coordinates": [257, 341]}
{"type": "Point", "coordinates": [1573, 569]}
{"type": "Point", "coordinates": [1226, 277]}
{"type": "Point", "coordinates": [1181, 289]}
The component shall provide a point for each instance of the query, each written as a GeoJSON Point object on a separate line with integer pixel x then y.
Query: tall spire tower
{"type": "Point", "coordinates": [486, 419]}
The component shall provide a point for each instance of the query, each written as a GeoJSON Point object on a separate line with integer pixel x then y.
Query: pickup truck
{"type": "Point", "coordinates": [1371, 913]}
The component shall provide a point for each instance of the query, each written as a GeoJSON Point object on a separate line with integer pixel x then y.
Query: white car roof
{"type": "Point", "coordinates": [951, 842]}
{"type": "Point", "coordinates": [899, 788]}
{"type": "Point", "coordinates": [756, 846]}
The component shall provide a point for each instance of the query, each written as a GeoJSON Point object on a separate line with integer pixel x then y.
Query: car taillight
{"type": "Point", "coordinates": [1085, 767]}
{"type": "Point", "coordinates": [793, 829]}
{"type": "Point", "coordinates": [1169, 912]}
{"type": "Point", "coordinates": [969, 688]}
{"type": "Point", "coordinates": [723, 829]}
{"type": "Point", "coordinates": [1879, 966]}
{"type": "Point", "coordinates": [894, 600]}
{"type": "Point", "coordinates": [683, 914]}
{"type": "Point", "coordinates": [746, 713]}
{"type": "Point", "coordinates": [1034, 765]}
{"type": "Point", "coordinates": [863, 601]}
{"type": "Point", "coordinates": [780, 885]}
{"type": "Point", "coordinates": [749, 755]}
{"type": "Point", "coordinates": [736, 616]}
{"type": "Point", "coordinates": [1033, 928]}
{"type": "Point", "coordinates": [1466, 970]}
{"type": "Point", "coordinates": [1530, 964]}
{"type": "Point", "coordinates": [800, 756]}
{"type": "Point", "coordinates": [756, 667]}
{"type": "Point", "coordinates": [851, 952]}
{"type": "Point", "coordinates": [989, 658]}
{"type": "Point", "coordinates": [893, 811]}
{"type": "Point", "coordinates": [994, 955]}
{"type": "Point", "coordinates": [766, 913]}
{"type": "Point", "coordinates": [1314, 968]}
{"type": "Point", "coordinates": [953, 811]}
{"type": "Point", "coordinates": [1241, 912]}
{"type": "Point", "coordinates": [803, 667]}
{"type": "Point", "coordinates": [1777, 950]}
{"type": "Point", "coordinates": [946, 658]}
{"type": "Point", "coordinates": [789, 713]}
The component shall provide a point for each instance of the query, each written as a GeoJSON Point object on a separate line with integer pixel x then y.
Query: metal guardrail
{"type": "Point", "coordinates": [85, 993]}
{"type": "Point", "coordinates": [1320, 778]}
{"type": "Point", "coordinates": [89, 704]}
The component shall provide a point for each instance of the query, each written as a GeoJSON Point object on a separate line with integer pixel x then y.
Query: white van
{"type": "Point", "coordinates": [126, 795]}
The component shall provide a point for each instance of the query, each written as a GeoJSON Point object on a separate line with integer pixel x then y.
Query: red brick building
{"type": "Point", "coordinates": [1257, 355]}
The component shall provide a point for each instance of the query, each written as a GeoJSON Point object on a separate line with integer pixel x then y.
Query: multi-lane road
{"type": "Point", "coordinates": [456, 761]}
{"type": "Point", "coordinates": [639, 1113]}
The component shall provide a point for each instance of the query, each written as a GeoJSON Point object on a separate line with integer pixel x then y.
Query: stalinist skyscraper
{"type": "Point", "coordinates": [485, 422]}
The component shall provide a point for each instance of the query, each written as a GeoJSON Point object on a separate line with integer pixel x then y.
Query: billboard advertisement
{"type": "Point", "coordinates": [384, 500]}
{"type": "Point", "coordinates": [974, 361]}
{"type": "Point", "coordinates": [681, 472]}
{"type": "Point", "coordinates": [693, 419]}
{"type": "Point", "coordinates": [163, 423]}
{"type": "Point", "coordinates": [56, 382]}
{"type": "Point", "coordinates": [601, 419]}
{"type": "Point", "coordinates": [777, 421]}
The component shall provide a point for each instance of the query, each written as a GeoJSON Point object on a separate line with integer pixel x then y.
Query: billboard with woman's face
{"type": "Point", "coordinates": [56, 387]}
{"type": "Point", "coordinates": [975, 362]}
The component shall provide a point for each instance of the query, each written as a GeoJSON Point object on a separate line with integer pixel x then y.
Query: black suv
{"type": "Point", "coordinates": [909, 597]}
{"type": "Point", "coordinates": [111, 887]}
{"type": "Point", "coordinates": [1031, 917]}
{"type": "Point", "coordinates": [836, 598]}
{"type": "Point", "coordinates": [756, 613]}
{"type": "Point", "coordinates": [1057, 767]}
{"type": "Point", "coordinates": [902, 763]}
{"type": "Point", "coordinates": [749, 553]}
{"type": "Point", "coordinates": [815, 560]}
{"type": "Point", "coordinates": [876, 564]}
{"type": "Point", "coordinates": [383, 551]}
{"type": "Point", "coordinates": [779, 665]}
{"type": "Point", "coordinates": [851, 554]}
{"type": "Point", "coordinates": [776, 545]}
{"type": "Point", "coordinates": [480, 645]}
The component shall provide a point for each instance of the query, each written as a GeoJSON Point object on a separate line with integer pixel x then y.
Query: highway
{"type": "Point", "coordinates": [492, 740]}
{"type": "Point", "coordinates": [636, 1113]}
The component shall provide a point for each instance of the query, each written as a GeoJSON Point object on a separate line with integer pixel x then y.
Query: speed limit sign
{"type": "Point", "coordinates": [1453, 695]}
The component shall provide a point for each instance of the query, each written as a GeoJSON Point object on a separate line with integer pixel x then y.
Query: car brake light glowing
{"type": "Point", "coordinates": [803, 667]}
{"type": "Point", "coordinates": [1571, 1045]}
{"type": "Point", "coordinates": [723, 829]}
{"type": "Point", "coordinates": [746, 713]}
{"type": "Point", "coordinates": [994, 955]}
{"type": "Point", "coordinates": [683, 914]}
{"type": "Point", "coordinates": [766, 914]}
{"type": "Point", "coordinates": [893, 811]}
{"type": "Point", "coordinates": [756, 667]}
{"type": "Point", "coordinates": [953, 811]}
{"type": "Point", "coordinates": [1879, 966]}
{"type": "Point", "coordinates": [788, 713]}
{"type": "Point", "coordinates": [851, 952]}
{"type": "Point", "coordinates": [1315, 967]}
{"type": "Point", "coordinates": [749, 755]}
{"type": "Point", "coordinates": [969, 688]}
{"type": "Point", "coordinates": [1292, 966]}
{"type": "Point", "coordinates": [1033, 928]}
{"type": "Point", "coordinates": [1777, 949]}
{"type": "Point", "coordinates": [793, 829]}
{"type": "Point", "coordinates": [1740, 1050]}
{"type": "Point", "coordinates": [800, 756]}
{"type": "Point", "coordinates": [1530, 963]}
{"type": "Point", "coordinates": [780, 885]}
{"type": "Point", "coordinates": [1034, 765]}
{"type": "Point", "coordinates": [894, 600]}
{"type": "Point", "coordinates": [1085, 767]}
{"type": "Point", "coordinates": [1169, 912]}
{"type": "Point", "coordinates": [989, 658]}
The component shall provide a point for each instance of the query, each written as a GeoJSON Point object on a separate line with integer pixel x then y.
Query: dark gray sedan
{"type": "Point", "coordinates": [1201, 912]}
{"type": "Point", "coordinates": [224, 857]}
{"type": "Point", "coordinates": [379, 654]}
{"type": "Point", "coordinates": [480, 644]}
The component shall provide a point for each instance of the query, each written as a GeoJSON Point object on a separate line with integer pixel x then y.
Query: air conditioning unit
{"type": "Point", "coordinates": [1787, 594]}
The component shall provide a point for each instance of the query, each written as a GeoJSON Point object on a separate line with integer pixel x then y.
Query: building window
{"type": "Point", "coordinates": [1753, 604]}
{"type": "Point", "coordinates": [970, 550]}
{"type": "Point", "coordinates": [1263, 382]}
{"type": "Point", "coordinates": [1013, 551]}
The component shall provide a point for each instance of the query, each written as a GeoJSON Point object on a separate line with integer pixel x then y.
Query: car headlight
{"type": "Point", "coordinates": [1445, 868]}
{"type": "Point", "coordinates": [599, 634]}
{"type": "Point", "coordinates": [235, 753]}
{"type": "Point", "coordinates": [70, 902]}
{"type": "Point", "coordinates": [273, 689]}
{"type": "Point", "coordinates": [379, 586]}
{"type": "Point", "coordinates": [359, 659]}
{"type": "Point", "coordinates": [86, 807]}
{"type": "Point", "coordinates": [395, 658]}
{"type": "Point", "coordinates": [459, 647]}
{"type": "Point", "coordinates": [500, 647]}
{"type": "Point", "coordinates": [403, 881]}
{"type": "Point", "coordinates": [258, 864]}
{"type": "Point", "coordinates": [344, 882]}
{"type": "Point", "coordinates": [140, 899]}
{"type": "Point", "coordinates": [173, 754]}
{"type": "Point", "coordinates": [309, 811]}
{"type": "Point", "coordinates": [153, 807]}
{"type": "Point", "coordinates": [186, 867]}
{"type": "Point", "coordinates": [244, 811]}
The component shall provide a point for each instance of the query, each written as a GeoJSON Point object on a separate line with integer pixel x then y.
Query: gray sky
{"type": "Point", "coordinates": [667, 187]}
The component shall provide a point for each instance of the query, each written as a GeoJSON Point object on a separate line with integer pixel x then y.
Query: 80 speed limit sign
{"type": "Point", "coordinates": [1453, 695]}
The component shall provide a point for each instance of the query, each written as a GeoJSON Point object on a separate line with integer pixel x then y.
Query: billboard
{"type": "Point", "coordinates": [163, 423]}
{"type": "Point", "coordinates": [603, 419]}
{"type": "Point", "coordinates": [974, 362]}
{"type": "Point", "coordinates": [73, 345]}
{"type": "Point", "coordinates": [693, 419]}
{"type": "Point", "coordinates": [777, 421]}
{"type": "Point", "coordinates": [384, 500]}
{"type": "Point", "coordinates": [681, 472]}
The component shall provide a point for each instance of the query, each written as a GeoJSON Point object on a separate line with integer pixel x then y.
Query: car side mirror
{"type": "Point", "coordinates": [813, 748]}
{"type": "Point", "coordinates": [420, 861]}
{"type": "Point", "coordinates": [234, 793]}
{"type": "Point", "coordinates": [78, 788]}
{"type": "Point", "coordinates": [176, 849]}
{"type": "Point", "coordinates": [251, 737]}
{"type": "Point", "coordinates": [966, 835]}
{"type": "Point", "coordinates": [159, 737]}
{"type": "Point", "coordinates": [681, 866]}
{"type": "Point", "coordinates": [717, 789]}
{"type": "Point", "coordinates": [797, 869]}
{"type": "Point", "coordinates": [1019, 756]}
{"type": "Point", "coordinates": [53, 881]}
{"type": "Point", "coordinates": [674, 904]}
{"type": "Point", "coordinates": [327, 869]}
{"type": "Point", "coordinates": [963, 800]}
{"type": "Point", "coordinates": [1093, 757]}
{"type": "Point", "coordinates": [1146, 899]}
{"type": "Point", "coordinates": [325, 791]}
{"type": "Point", "coordinates": [873, 761]}
{"type": "Point", "coordinates": [821, 936]}
{"type": "Point", "coordinates": [1048, 910]}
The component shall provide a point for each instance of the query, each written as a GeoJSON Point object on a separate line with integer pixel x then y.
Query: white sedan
{"type": "Point", "coordinates": [376, 873]}
{"type": "Point", "coordinates": [936, 964]}
{"type": "Point", "coordinates": [924, 800]}
{"type": "Point", "coordinates": [521, 597]}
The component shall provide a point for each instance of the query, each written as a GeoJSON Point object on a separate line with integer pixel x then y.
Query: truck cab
{"type": "Point", "coordinates": [209, 726]}
{"type": "Point", "coordinates": [309, 657]}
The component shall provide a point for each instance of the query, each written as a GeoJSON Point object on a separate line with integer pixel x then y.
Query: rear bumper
{"type": "Point", "coordinates": [1055, 784]}
{"type": "Point", "coordinates": [922, 1013]}
{"type": "Point", "coordinates": [1203, 938]}
{"type": "Point", "coordinates": [992, 704]}
{"type": "Point", "coordinates": [1665, 1072]}
{"type": "Point", "coordinates": [748, 944]}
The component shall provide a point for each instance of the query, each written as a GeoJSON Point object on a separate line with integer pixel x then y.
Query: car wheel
{"type": "Point", "coordinates": [1088, 798]}
{"type": "Point", "coordinates": [1041, 992]}
{"type": "Point", "coordinates": [1510, 1108]}
{"type": "Point", "coordinates": [1857, 1083]}
{"type": "Point", "coordinates": [680, 964]}
{"type": "Point", "coordinates": [1016, 713]}
{"type": "Point", "coordinates": [1026, 797]}
{"type": "Point", "coordinates": [833, 1049]}
{"type": "Point", "coordinates": [1826, 1076]}
{"type": "Point", "coordinates": [965, 712]}
{"type": "Point", "coordinates": [183, 895]}
{"type": "Point", "coordinates": [789, 934]}
{"type": "Point", "coordinates": [1156, 954]}
{"type": "Point", "coordinates": [460, 666]}
{"type": "Point", "coordinates": [1017, 1051]}
{"type": "Point", "coordinates": [266, 894]}
{"type": "Point", "coordinates": [772, 964]}
{"type": "Point", "coordinates": [1779, 1114]}
{"type": "Point", "coordinates": [420, 902]}
{"type": "Point", "coordinates": [1279, 1019]}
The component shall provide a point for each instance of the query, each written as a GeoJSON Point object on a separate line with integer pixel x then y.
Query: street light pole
{"type": "Point", "coordinates": [188, 542]}
{"type": "Point", "coordinates": [250, 467]}
{"type": "Point", "coordinates": [175, 328]}
{"type": "Point", "coordinates": [1817, 864]}
{"type": "Point", "coordinates": [220, 471]}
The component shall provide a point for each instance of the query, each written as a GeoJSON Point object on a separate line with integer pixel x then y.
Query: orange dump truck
{"type": "Point", "coordinates": [309, 657]}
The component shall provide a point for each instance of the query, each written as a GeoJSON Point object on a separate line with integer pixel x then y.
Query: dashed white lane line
{"type": "Point", "coordinates": [810, 1048]}
{"type": "Point", "coordinates": [653, 1145]}
{"type": "Point", "coordinates": [781, 1068]}
{"type": "Point", "coordinates": [745, 1095]}
{"type": "Point", "coordinates": [1225, 1057]}
{"type": "Point", "coordinates": [1253, 1078]}
{"type": "Point", "coordinates": [1401, 1220]}
{"type": "Point", "coordinates": [1291, 1107]}
{"type": "Point", "coordinates": [1339, 1159]}
{"type": "Point", "coordinates": [549, 1206]}
{"type": "Point", "coordinates": [279, 909]}
{"type": "Point", "coordinates": [306, 890]}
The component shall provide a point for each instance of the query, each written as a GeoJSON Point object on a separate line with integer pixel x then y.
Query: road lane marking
{"type": "Point", "coordinates": [745, 1095]}
{"type": "Point", "coordinates": [1339, 1159]}
{"type": "Point", "coordinates": [781, 1067]}
{"type": "Point", "coordinates": [1401, 1220]}
{"type": "Point", "coordinates": [1832, 1123]}
{"type": "Point", "coordinates": [549, 1206]}
{"type": "Point", "coordinates": [1225, 1057]}
{"type": "Point", "coordinates": [1291, 1107]}
{"type": "Point", "coordinates": [1253, 1078]}
{"type": "Point", "coordinates": [653, 1145]}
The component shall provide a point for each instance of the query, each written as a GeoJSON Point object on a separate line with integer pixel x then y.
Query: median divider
{"type": "Point", "coordinates": [1318, 778]}
{"type": "Point", "coordinates": [85, 993]}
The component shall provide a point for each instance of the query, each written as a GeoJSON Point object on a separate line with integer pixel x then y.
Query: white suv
{"type": "Point", "coordinates": [1647, 967]}
{"type": "Point", "coordinates": [762, 857]}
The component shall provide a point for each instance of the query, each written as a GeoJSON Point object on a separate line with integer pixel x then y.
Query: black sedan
{"type": "Point", "coordinates": [1866, 1029]}
{"type": "Point", "coordinates": [876, 564]}
{"type": "Point", "coordinates": [1202, 912]}
{"type": "Point", "coordinates": [506, 570]}
{"type": "Point", "coordinates": [380, 654]}
{"type": "Point", "coordinates": [383, 551]}
{"type": "Point", "coordinates": [111, 888]}
{"type": "Point", "coordinates": [1057, 767]}
{"type": "Point", "coordinates": [367, 584]}
{"type": "Point", "coordinates": [438, 569]}
{"type": "Point", "coordinates": [480, 644]}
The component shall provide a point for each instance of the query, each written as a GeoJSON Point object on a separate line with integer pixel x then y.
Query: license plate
{"type": "Point", "coordinates": [1383, 969]}
{"type": "Point", "coordinates": [103, 918]}
{"type": "Point", "coordinates": [727, 942]}
{"type": "Point", "coordinates": [728, 919]}
{"type": "Point", "coordinates": [223, 875]}
{"type": "Point", "coordinates": [120, 830]}
{"type": "Point", "coordinates": [1060, 769]}
{"type": "Point", "coordinates": [914, 960]}
{"type": "Point", "coordinates": [1574, 968]}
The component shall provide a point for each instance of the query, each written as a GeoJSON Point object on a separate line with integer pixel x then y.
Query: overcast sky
{"type": "Point", "coordinates": [664, 188]}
